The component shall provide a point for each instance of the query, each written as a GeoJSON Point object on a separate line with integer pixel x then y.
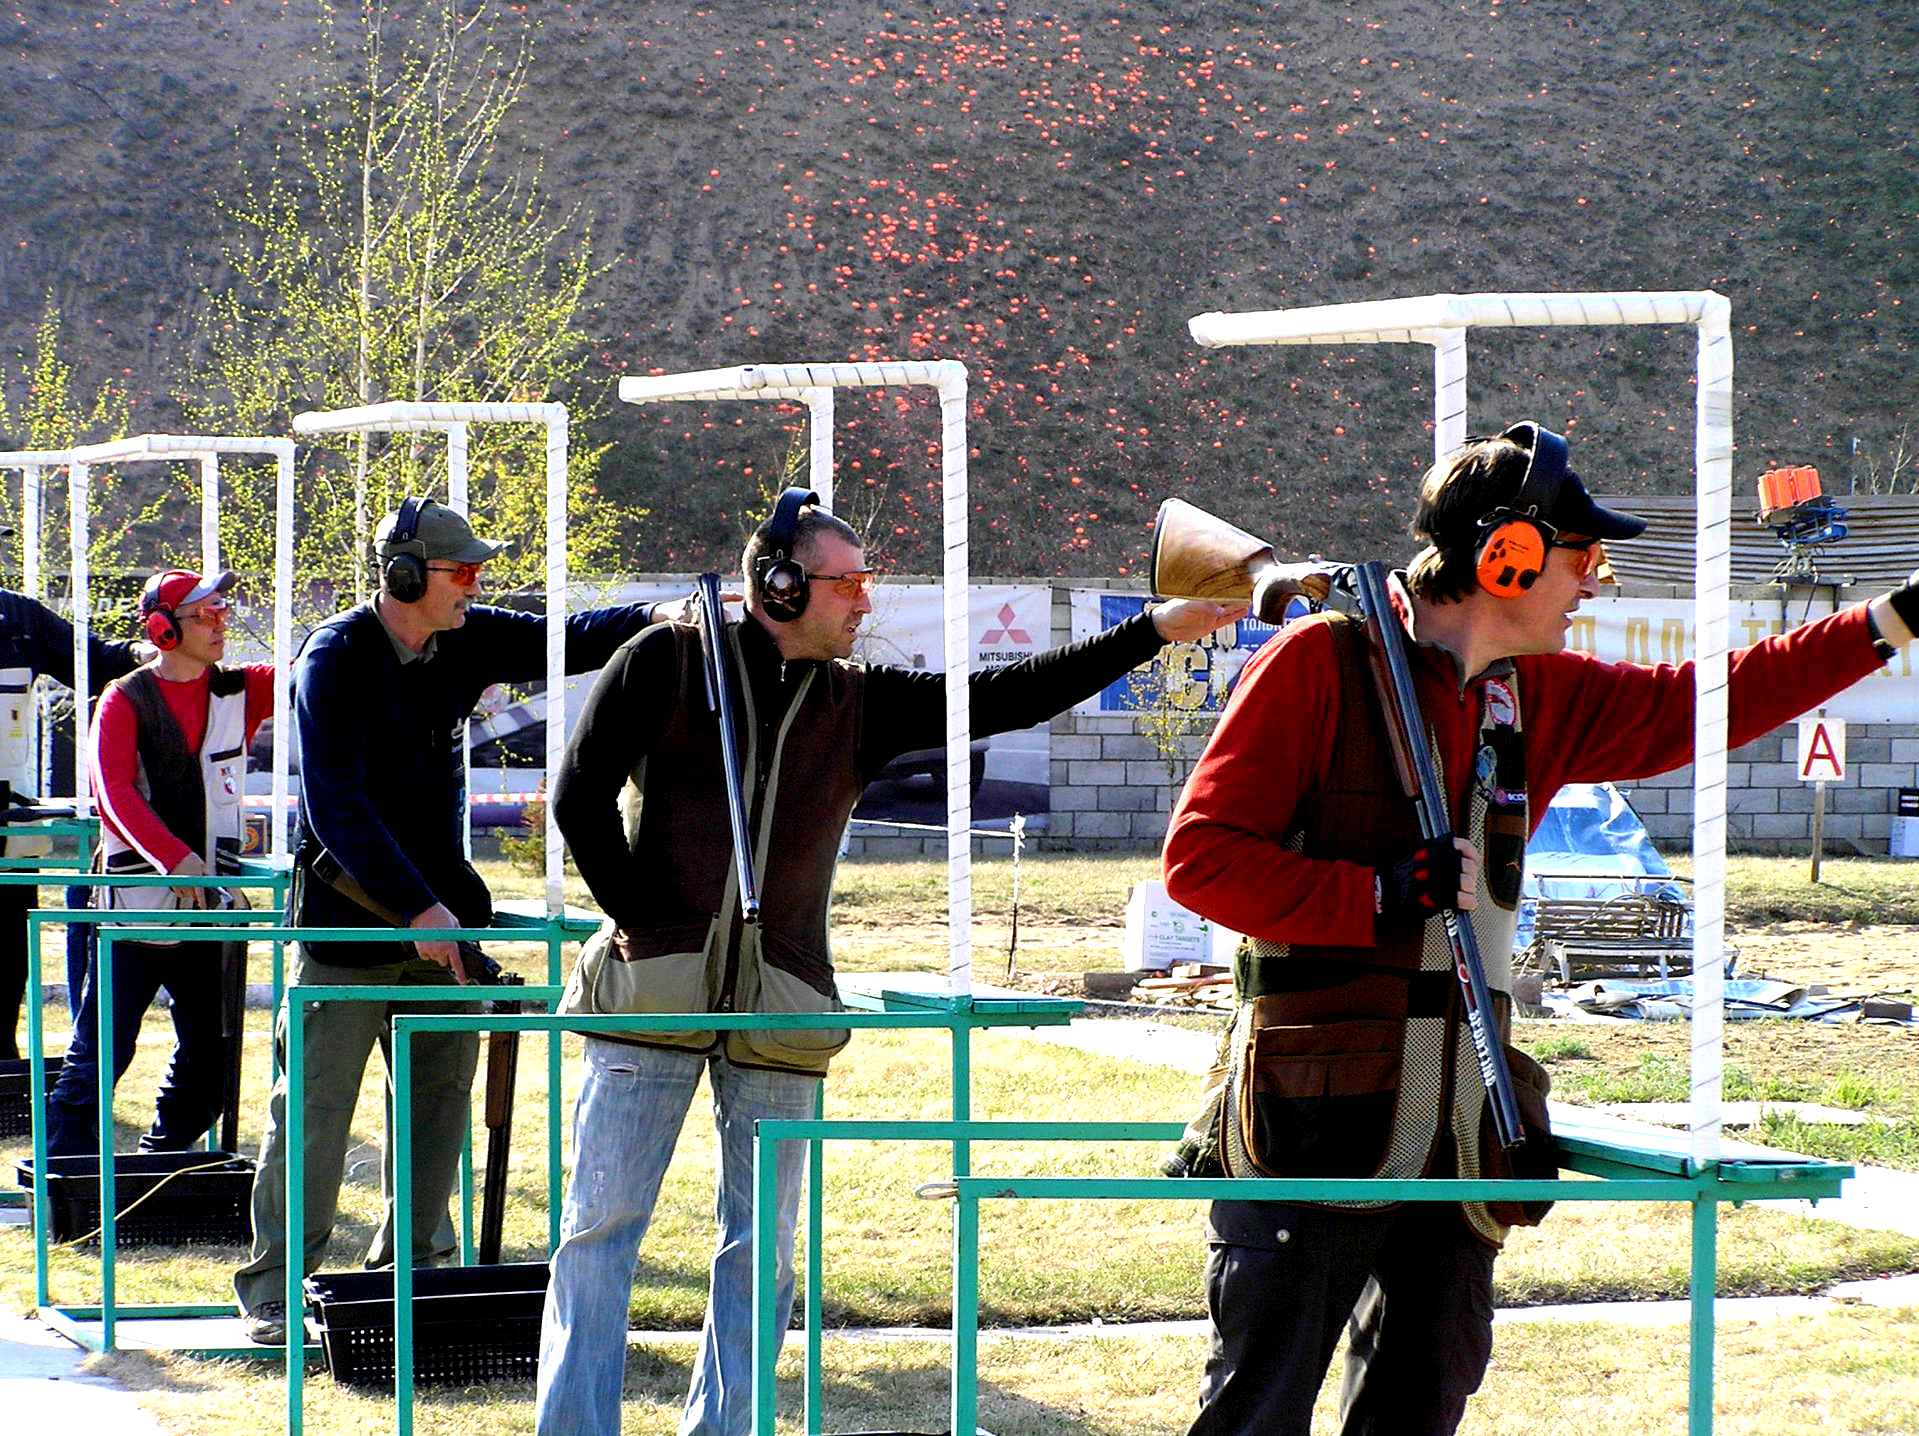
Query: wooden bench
{"type": "Point", "coordinates": [1635, 934]}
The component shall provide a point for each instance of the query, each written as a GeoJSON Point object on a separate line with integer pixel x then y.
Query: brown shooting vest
{"type": "Point", "coordinates": [1358, 1062]}
{"type": "Point", "coordinates": [696, 954]}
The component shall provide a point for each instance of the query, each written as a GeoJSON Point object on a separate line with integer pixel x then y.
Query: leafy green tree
{"type": "Point", "coordinates": [42, 407]}
{"type": "Point", "coordinates": [391, 254]}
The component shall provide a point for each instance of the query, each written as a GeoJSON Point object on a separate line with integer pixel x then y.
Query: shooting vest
{"type": "Point", "coordinates": [1349, 1062]}
{"type": "Point", "coordinates": [17, 767]}
{"type": "Point", "coordinates": [696, 954]}
{"type": "Point", "coordinates": [197, 796]}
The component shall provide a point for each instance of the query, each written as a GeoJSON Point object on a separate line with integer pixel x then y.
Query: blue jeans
{"type": "Point", "coordinates": [629, 1117]}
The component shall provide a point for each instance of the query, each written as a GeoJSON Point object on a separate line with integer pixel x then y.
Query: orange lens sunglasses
{"type": "Point", "coordinates": [464, 574]}
{"type": "Point", "coordinates": [850, 584]}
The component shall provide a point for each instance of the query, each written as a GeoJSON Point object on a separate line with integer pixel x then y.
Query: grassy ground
{"type": "Point", "coordinates": [1847, 1373]}
{"type": "Point", "coordinates": [886, 1253]}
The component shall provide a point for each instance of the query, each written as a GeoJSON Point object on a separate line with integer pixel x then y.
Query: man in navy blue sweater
{"type": "Point", "coordinates": [381, 695]}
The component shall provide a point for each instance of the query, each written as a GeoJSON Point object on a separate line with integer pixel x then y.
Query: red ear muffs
{"type": "Point", "coordinates": [1510, 557]}
{"type": "Point", "coordinates": [163, 630]}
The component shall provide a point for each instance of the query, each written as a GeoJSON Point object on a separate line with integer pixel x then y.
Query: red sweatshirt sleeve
{"type": "Point", "coordinates": [259, 697]}
{"type": "Point", "coordinates": [1609, 722]}
{"type": "Point", "coordinates": [1226, 856]}
{"type": "Point", "coordinates": [113, 765]}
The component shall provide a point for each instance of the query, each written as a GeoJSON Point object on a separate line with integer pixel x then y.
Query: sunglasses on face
{"type": "Point", "coordinates": [212, 612]}
{"type": "Point", "coordinates": [464, 574]}
{"type": "Point", "coordinates": [851, 584]}
{"type": "Point", "coordinates": [1588, 556]}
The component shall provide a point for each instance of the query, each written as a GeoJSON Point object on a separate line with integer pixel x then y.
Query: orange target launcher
{"type": "Point", "coordinates": [1793, 506]}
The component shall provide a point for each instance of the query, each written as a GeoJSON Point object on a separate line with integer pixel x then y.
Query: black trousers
{"type": "Point", "coordinates": [1412, 1284]}
{"type": "Point", "coordinates": [193, 1089]}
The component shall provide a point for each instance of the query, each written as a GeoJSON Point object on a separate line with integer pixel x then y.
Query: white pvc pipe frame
{"type": "Point", "coordinates": [171, 448]}
{"type": "Point", "coordinates": [33, 464]}
{"type": "Point", "coordinates": [453, 420]}
{"type": "Point", "coordinates": [1442, 320]}
{"type": "Point", "coordinates": [812, 384]}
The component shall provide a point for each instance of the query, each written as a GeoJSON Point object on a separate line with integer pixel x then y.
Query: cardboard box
{"type": "Point", "coordinates": [1159, 932]}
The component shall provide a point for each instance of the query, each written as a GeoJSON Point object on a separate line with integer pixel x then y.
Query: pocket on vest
{"type": "Point", "coordinates": [1320, 1098]}
{"type": "Point", "coordinates": [791, 981]}
{"type": "Point", "coordinates": [1537, 1158]}
{"type": "Point", "coordinates": [672, 977]}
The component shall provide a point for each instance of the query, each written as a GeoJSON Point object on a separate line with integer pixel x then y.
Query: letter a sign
{"type": "Point", "coordinates": [1822, 750]}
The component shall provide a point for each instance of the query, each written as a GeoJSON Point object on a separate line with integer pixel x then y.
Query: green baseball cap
{"type": "Point", "coordinates": [438, 533]}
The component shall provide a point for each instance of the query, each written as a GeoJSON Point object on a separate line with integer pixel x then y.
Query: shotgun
{"type": "Point", "coordinates": [721, 699]}
{"type": "Point", "coordinates": [502, 1074]}
{"type": "Point", "coordinates": [1413, 758]}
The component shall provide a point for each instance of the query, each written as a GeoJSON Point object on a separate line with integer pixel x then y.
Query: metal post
{"type": "Point", "coordinates": [554, 1187]}
{"type": "Point", "coordinates": [402, 1138]}
{"type": "Point", "coordinates": [815, 1407]}
{"type": "Point", "coordinates": [766, 1277]}
{"type": "Point", "coordinates": [965, 1314]}
{"type": "Point", "coordinates": [294, 1114]}
{"type": "Point", "coordinates": [1818, 826]}
{"type": "Point", "coordinates": [1705, 1280]}
{"type": "Point", "coordinates": [209, 514]}
{"type": "Point", "coordinates": [103, 1049]}
{"type": "Point", "coordinates": [37, 1090]}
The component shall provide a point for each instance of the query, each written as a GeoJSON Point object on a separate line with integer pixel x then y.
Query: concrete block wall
{"type": "Point", "coordinates": [1769, 810]}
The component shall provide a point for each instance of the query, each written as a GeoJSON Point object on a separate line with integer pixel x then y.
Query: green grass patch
{"type": "Point", "coordinates": [1762, 889]}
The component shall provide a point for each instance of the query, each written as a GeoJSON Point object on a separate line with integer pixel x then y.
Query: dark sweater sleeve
{"type": "Point", "coordinates": [623, 718]}
{"type": "Point", "coordinates": [335, 721]}
{"type": "Point", "coordinates": [906, 707]}
{"type": "Point", "coordinates": [49, 647]}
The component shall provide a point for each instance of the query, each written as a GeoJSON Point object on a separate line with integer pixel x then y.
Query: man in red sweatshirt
{"type": "Point", "coordinates": [168, 769]}
{"type": "Point", "coordinates": [1348, 1055]}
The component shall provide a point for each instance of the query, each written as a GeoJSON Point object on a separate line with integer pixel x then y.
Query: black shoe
{"type": "Point", "coordinates": [267, 1324]}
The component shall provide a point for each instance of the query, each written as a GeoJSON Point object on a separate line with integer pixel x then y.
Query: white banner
{"type": "Point", "coordinates": [1660, 630]}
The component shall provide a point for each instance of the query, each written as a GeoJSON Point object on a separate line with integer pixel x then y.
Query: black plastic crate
{"type": "Point", "coordinates": [16, 1094]}
{"type": "Point", "coordinates": [210, 1207]}
{"type": "Point", "coordinates": [472, 1325]}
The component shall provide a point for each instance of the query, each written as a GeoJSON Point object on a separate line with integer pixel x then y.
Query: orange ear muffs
{"type": "Point", "coordinates": [1510, 556]}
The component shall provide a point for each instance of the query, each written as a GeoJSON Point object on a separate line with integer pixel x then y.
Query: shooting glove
{"type": "Point", "coordinates": [1419, 885]}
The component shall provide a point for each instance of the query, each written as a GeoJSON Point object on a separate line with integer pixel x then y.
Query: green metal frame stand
{"type": "Point", "coordinates": [1654, 1172]}
{"type": "Point", "coordinates": [89, 1326]}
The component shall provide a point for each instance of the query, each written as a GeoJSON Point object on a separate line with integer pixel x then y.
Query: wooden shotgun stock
{"type": "Point", "coordinates": [1197, 555]}
{"type": "Point", "coordinates": [502, 1076]}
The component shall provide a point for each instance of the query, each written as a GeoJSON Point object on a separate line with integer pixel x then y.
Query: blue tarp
{"type": "Point", "coordinates": [1592, 845]}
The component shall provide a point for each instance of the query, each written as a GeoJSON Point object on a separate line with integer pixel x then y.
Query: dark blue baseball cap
{"type": "Point", "coordinates": [1553, 492]}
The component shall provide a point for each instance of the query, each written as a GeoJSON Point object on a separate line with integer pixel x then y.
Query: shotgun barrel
{"type": "Point", "coordinates": [1413, 756]}
{"type": "Point", "coordinates": [724, 702]}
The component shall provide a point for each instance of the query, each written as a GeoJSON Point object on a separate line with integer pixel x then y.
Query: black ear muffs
{"type": "Point", "coordinates": [1514, 538]}
{"type": "Point", "coordinates": [782, 582]}
{"type": "Point", "coordinates": [161, 625]}
{"type": "Point", "coordinates": [403, 556]}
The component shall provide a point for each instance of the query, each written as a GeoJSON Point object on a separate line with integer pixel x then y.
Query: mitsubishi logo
{"type": "Point", "coordinates": [1006, 633]}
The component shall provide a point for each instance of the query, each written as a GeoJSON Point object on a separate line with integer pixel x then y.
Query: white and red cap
{"type": "Point", "coordinates": [174, 588]}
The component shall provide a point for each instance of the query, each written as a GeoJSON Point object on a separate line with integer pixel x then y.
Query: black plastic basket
{"type": "Point", "coordinates": [472, 1325]}
{"type": "Point", "coordinates": [212, 1207]}
{"type": "Point", "coordinates": [16, 1094]}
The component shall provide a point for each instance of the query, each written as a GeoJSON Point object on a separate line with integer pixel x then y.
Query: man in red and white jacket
{"type": "Point", "coordinates": [168, 767]}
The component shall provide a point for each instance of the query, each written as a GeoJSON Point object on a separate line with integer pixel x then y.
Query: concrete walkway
{"type": "Point", "coordinates": [42, 1387]}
